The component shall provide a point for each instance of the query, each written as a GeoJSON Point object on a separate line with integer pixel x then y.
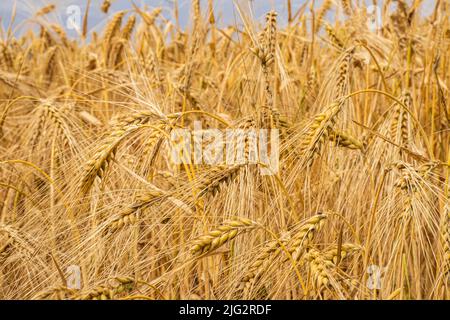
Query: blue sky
{"type": "Point", "coordinates": [224, 9]}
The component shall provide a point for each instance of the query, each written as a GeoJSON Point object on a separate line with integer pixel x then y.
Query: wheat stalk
{"type": "Point", "coordinates": [333, 37]}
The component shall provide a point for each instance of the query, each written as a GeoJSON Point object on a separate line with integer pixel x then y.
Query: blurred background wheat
{"type": "Point", "coordinates": [359, 208]}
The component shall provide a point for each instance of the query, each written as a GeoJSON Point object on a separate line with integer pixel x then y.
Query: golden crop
{"type": "Point", "coordinates": [359, 208]}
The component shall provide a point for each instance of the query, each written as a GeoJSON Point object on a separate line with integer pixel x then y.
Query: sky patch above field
{"type": "Point", "coordinates": [225, 10]}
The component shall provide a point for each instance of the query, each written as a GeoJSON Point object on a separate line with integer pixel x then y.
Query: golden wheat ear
{"type": "Point", "coordinates": [295, 243]}
{"type": "Point", "coordinates": [345, 139]}
{"type": "Point", "coordinates": [320, 268]}
{"type": "Point", "coordinates": [303, 236]}
{"type": "Point", "coordinates": [105, 6]}
{"type": "Point", "coordinates": [223, 234]}
{"type": "Point", "coordinates": [130, 215]}
{"type": "Point", "coordinates": [317, 132]}
{"type": "Point", "coordinates": [446, 241]}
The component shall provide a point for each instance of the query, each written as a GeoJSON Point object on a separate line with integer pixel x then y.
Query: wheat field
{"type": "Point", "coordinates": [92, 206]}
